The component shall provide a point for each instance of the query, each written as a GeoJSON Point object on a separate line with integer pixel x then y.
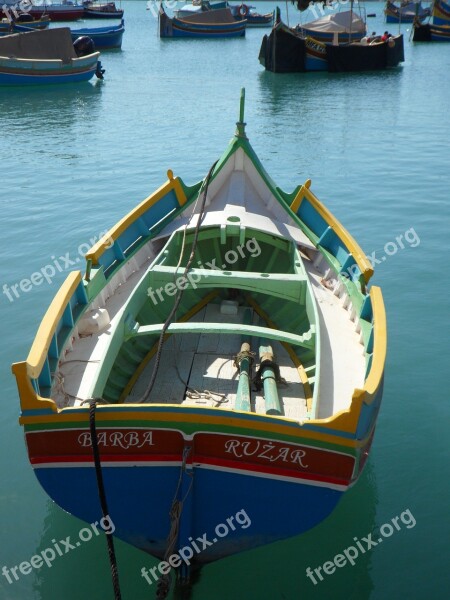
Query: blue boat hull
{"type": "Point", "coordinates": [102, 40]}
{"type": "Point", "coordinates": [214, 497]}
{"type": "Point", "coordinates": [25, 79]}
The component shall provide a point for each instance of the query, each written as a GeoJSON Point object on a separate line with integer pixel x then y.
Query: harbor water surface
{"type": "Point", "coordinates": [76, 158]}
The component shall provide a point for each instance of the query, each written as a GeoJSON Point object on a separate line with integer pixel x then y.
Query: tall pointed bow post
{"type": "Point", "coordinates": [240, 125]}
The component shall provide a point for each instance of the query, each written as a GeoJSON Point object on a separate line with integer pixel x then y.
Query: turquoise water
{"type": "Point", "coordinates": [75, 159]}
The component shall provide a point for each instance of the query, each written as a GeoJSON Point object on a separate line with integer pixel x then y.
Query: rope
{"type": "Point", "coordinates": [167, 322]}
{"type": "Point", "coordinates": [191, 392]}
{"type": "Point", "coordinates": [102, 498]}
{"type": "Point", "coordinates": [164, 583]}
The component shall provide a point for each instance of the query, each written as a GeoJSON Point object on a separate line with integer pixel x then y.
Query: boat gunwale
{"type": "Point", "coordinates": [345, 421]}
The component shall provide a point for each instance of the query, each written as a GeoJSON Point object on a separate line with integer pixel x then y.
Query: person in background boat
{"type": "Point", "coordinates": [368, 39]}
{"type": "Point", "coordinates": [386, 35]}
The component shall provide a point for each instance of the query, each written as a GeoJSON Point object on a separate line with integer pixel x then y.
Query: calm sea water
{"type": "Point", "coordinates": [75, 159]}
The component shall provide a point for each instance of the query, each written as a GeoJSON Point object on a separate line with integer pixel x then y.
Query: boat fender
{"type": "Point", "coordinates": [83, 46]}
{"type": "Point", "coordinates": [391, 42]}
{"type": "Point", "coordinates": [243, 10]}
{"type": "Point", "coordinates": [94, 321]}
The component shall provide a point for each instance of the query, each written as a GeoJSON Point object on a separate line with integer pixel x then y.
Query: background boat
{"type": "Point", "coordinates": [97, 10]}
{"type": "Point", "coordinates": [437, 29]}
{"type": "Point", "coordinates": [288, 50]}
{"type": "Point", "coordinates": [214, 24]}
{"type": "Point", "coordinates": [406, 12]}
{"type": "Point", "coordinates": [440, 12]}
{"type": "Point", "coordinates": [8, 25]}
{"type": "Point", "coordinates": [44, 57]}
{"type": "Point", "coordinates": [103, 37]}
{"type": "Point", "coordinates": [239, 12]}
{"type": "Point", "coordinates": [68, 11]}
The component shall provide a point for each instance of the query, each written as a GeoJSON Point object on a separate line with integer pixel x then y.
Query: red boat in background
{"type": "Point", "coordinates": [66, 11]}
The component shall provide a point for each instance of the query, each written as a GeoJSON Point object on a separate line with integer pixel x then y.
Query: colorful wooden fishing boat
{"type": "Point", "coordinates": [103, 37]}
{"type": "Point", "coordinates": [225, 354]}
{"type": "Point", "coordinates": [65, 11]}
{"type": "Point", "coordinates": [252, 16]}
{"type": "Point", "coordinates": [288, 50]}
{"type": "Point", "coordinates": [406, 12]}
{"type": "Point", "coordinates": [429, 32]}
{"type": "Point", "coordinates": [44, 57]}
{"type": "Point", "coordinates": [440, 12]}
{"type": "Point", "coordinates": [218, 23]}
{"type": "Point", "coordinates": [97, 10]}
{"type": "Point", "coordinates": [438, 27]}
{"type": "Point", "coordinates": [7, 25]}
{"type": "Point", "coordinates": [239, 12]}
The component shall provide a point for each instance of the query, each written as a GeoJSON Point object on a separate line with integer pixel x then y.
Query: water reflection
{"type": "Point", "coordinates": [42, 107]}
{"type": "Point", "coordinates": [311, 91]}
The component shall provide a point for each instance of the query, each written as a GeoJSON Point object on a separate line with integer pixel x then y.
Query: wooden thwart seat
{"type": "Point", "coordinates": [306, 340]}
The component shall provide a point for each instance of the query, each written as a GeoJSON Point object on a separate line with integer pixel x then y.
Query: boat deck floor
{"type": "Point", "coordinates": [198, 370]}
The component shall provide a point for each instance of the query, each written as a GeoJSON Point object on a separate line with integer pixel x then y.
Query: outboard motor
{"type": "Point", "coordinates": [24, 18]}
{"type": "Point", "coordinates": [83, 46]}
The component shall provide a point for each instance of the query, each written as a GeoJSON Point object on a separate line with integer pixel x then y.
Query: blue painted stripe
{"type": "Point", "coordinates": [25, 79]}
{"type": "Point", "coordinates": [140, 498]}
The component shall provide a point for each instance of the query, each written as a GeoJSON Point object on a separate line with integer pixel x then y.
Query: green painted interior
{"type": "Point", "coordinates": [286, 298]}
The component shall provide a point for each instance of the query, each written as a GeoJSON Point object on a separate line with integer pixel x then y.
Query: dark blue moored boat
{"type": "Point", "coordinates": [103, 37]}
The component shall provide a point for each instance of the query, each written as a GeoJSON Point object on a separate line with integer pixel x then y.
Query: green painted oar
{"type": "Point", "coordinates": [244, 362]}
{"type": "Point", "coordinates": [269, 380]}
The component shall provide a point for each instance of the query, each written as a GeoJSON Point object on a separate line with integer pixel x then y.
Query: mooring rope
{"type": "Point", "coordinates": [164, 583]}
{"type": "Point", "coordinates": [102, 497]}
{"type": "Point", "coordinates": [167, 322]}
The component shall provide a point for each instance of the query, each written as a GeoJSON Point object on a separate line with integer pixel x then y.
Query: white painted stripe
{"type": "Point", "coordinates": [90, 465]}
{"type": "Point", "coordinates": [337, 487]}
{"type": "Point", "coordinates": [333, 486]}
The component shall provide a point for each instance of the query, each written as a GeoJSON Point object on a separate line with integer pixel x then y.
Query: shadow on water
{"type": "Point", "coordinates": [276, 571]}
{"type": "Point", "coordinates": [37, 108]}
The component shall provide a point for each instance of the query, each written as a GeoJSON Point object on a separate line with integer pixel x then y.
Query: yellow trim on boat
{"type": "Point", "coordinates": [70, 414]}
{"type": "Point", "coordinates": [379, 345]}
{"type": "Point", "coordinates": [353, 247]}
{"type": "Point", "coordinates": [39, 349]}
{"type": "Point", "coordinates": [173, 184]}
{"type": "Point", "coordinates": [300, 195]}
{"type": "Point", "coordinates": [29, 399]}
{"type": "Point", "coordinates": [347, 420]}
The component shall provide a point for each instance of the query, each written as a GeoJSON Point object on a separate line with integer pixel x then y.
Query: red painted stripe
{"type": "Point", "coordinates": [230, 464]}
{"type": "Point", "coordinates": [202, 460]}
